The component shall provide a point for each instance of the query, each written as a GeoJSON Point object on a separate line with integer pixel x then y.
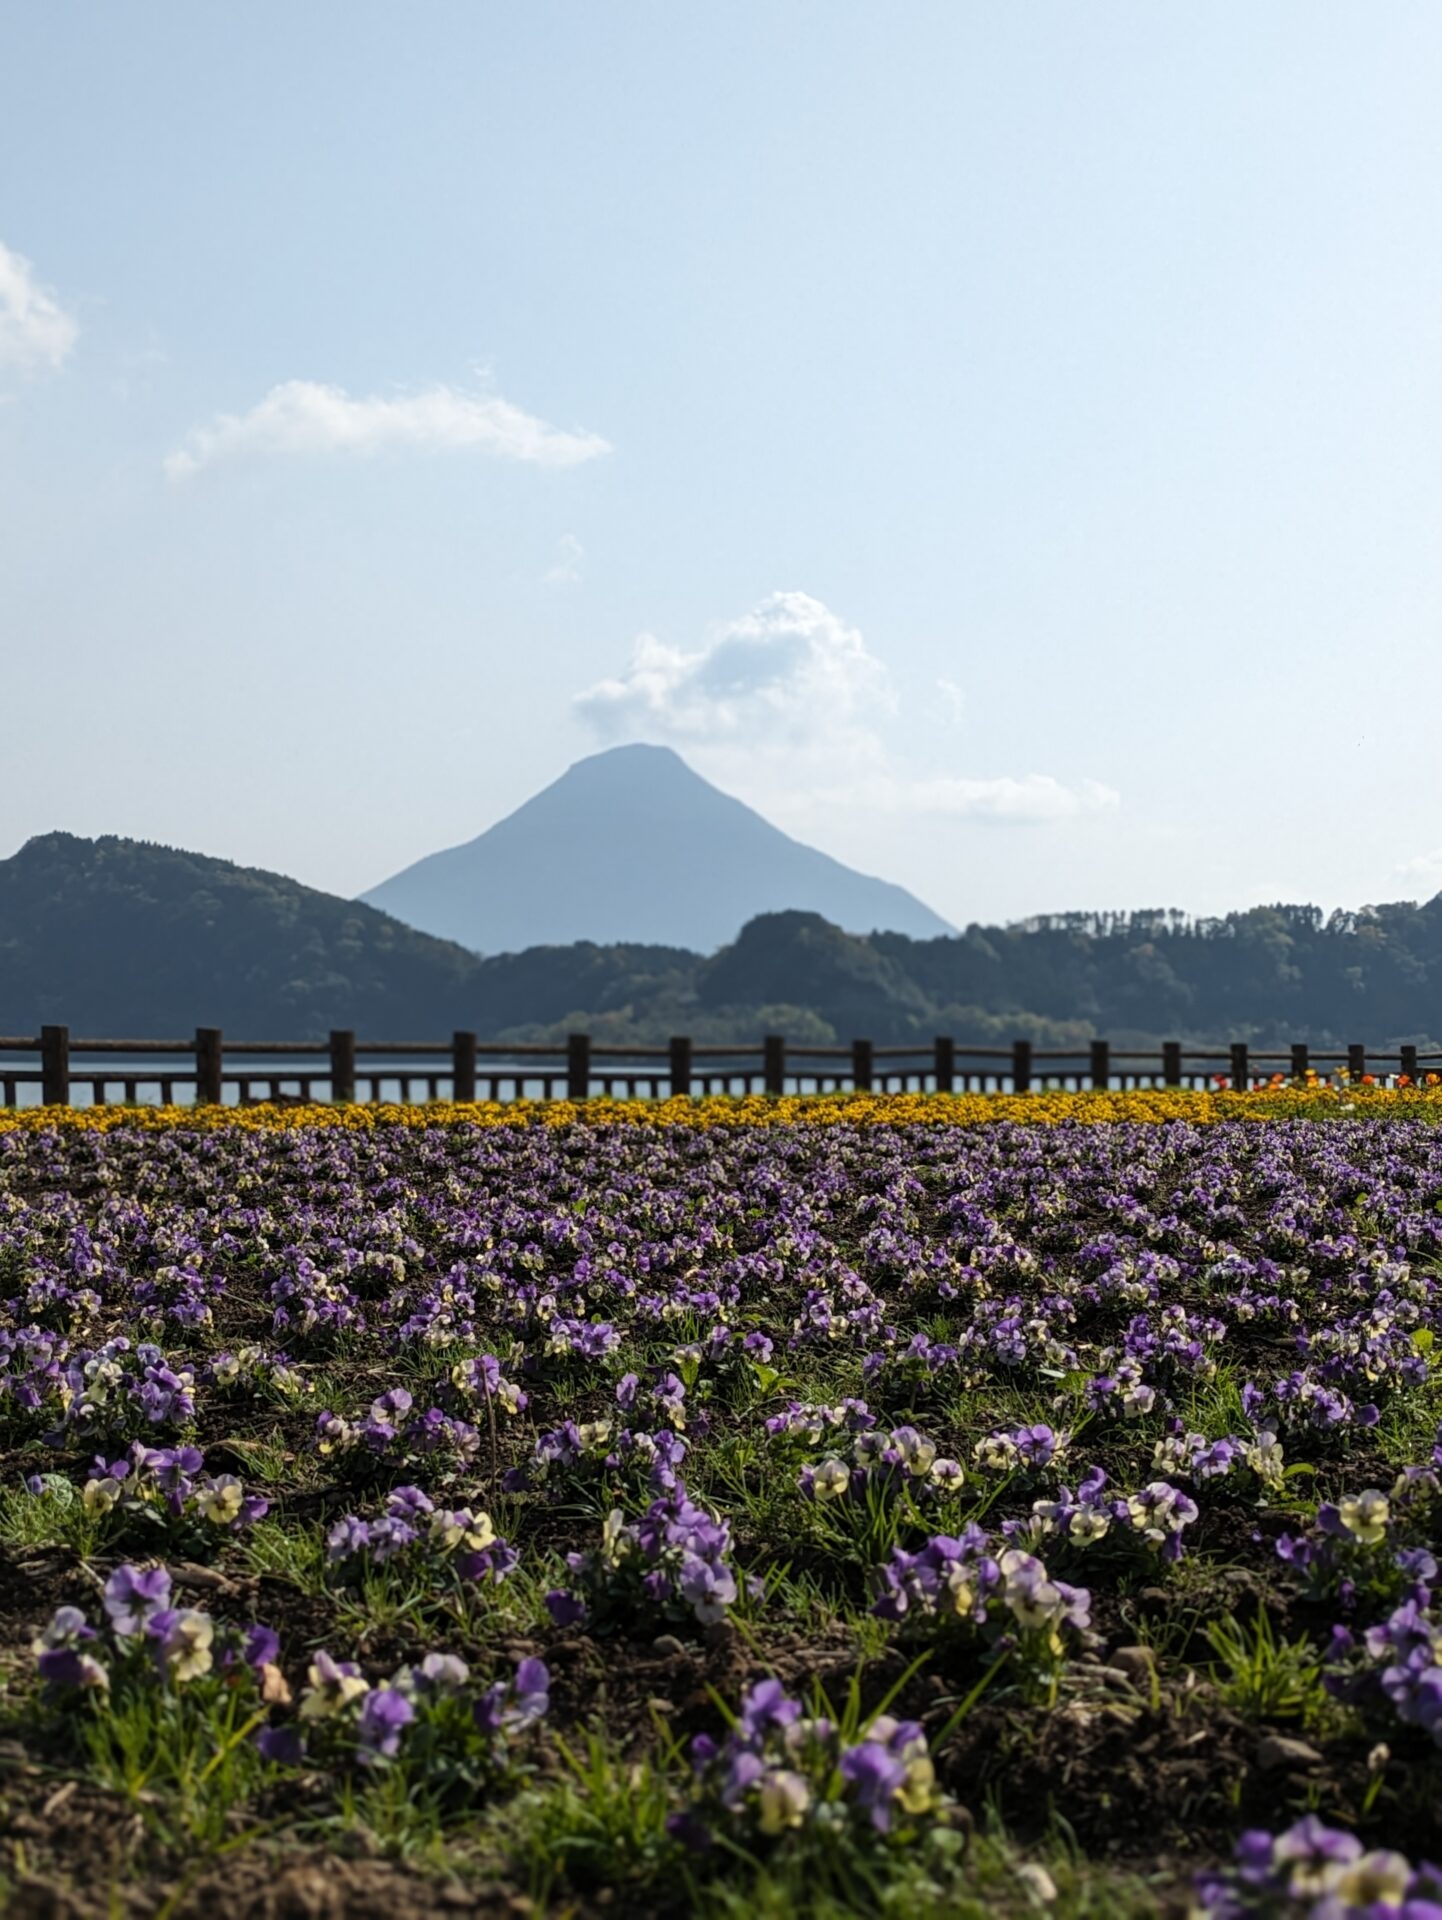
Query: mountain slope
{"type": "Point", "coordinates": [121, 937]}
{"type": "Point", "coordinates": [844, 980]}
{"type": "Point", "coordinates": [632, 845]}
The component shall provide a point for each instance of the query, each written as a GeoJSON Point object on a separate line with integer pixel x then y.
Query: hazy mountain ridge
{"type": "Point", "coordinates": [128, 939]}
{"type": "Point", "coordinates": [632, 845]}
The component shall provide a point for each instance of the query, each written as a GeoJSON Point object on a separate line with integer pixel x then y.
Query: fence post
{"type": "Point", "coordinates": [680, 1067]}
{"type": "Point", "coordinates": [463, 1066]}
{"type": "Point", "coordinates": [1356, 1061]}
{"type": "Point", "coordinates": [1101, 1064]}
{"type": "Point", "coordinates": [1409, 1063]}
{"type": "Point", "coordinates": [1021, 1066]}
{"type": "Point", "coordinates": [342, 1065]}
{"type": "Point", "coordinates": [1171, 1063]}
{"type": "Point", "coordinates": [578, 1066]}
{"type": "Point", "coordinates": [945, 1064]}
{"type": "Point", "coordinates": [209, 1066]}
{"type": "Point", "coordinates": [1301, 1060]}
{"type": "Point", "coordinates": [1241, 1069]}
{"type": "Point", "coordinates": [773, 1061]}
{"type": "Point", "coordinates": [861, 1066]}
{"type": "Point", "coordinates": [55, 1066]}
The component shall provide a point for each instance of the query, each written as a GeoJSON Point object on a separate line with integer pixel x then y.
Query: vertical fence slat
{"type": "Point", "coordinates": [209, 1065]}
{"type": "Point", "coordinates": [463, 1066]}
{"type": "Point", "coordinates": [55, 1066]}
{"type": "Point", "coordinates": [1101, 1064]}
{"type": "Point", "coordinates": [680, 1067]}
{"type": "Point", "coordinates": [1356, 1060]}
{"type": "Point", "coordinates": [1171, 1063]}
{"type": "Point", "coordinates": [342, 1065]}
{"type": "Point", "coordinates": [1241, 1067]}
{"type": "Point", "coordinates": [773, 1054]}
{"type": "Point", "coordinates": [1409, 1063]}
{"type": "Point", "coordinates": [1021, 1066]}
{"type": "Point", "coordinates": [1301, 1060]}
{"type": "Point", "coordinates": [578, 1066]}
{"type": "Point", "coordinates": [861, 1065]}
{"type": "Point", "coordinates": [944, 1063]}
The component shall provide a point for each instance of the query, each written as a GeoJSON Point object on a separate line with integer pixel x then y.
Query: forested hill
{"type": "Point", "coordinates": [1269, 974]}
{"type": "Point", "coordinates": [125, 938]}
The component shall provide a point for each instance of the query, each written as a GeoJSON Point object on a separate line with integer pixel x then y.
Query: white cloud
{"type": "Point", "coordinates": [790, 672]}
{"type": "Point", "coordinates": [785, 702]}
{"type": "Point", "coordinates": [303, 416]}
{"type": "Point", "coordinates": [1030, 799]}
{"type": "Point", "coordinates": [567, 570]}
{"type": "Point", "coordinates": [35, 330]}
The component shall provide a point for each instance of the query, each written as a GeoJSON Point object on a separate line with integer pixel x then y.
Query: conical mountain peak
{"type": "Point", "coordinates": [631, 844]}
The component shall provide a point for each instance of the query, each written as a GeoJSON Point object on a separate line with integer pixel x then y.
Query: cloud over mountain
{"type": "Point", "coordinates": [789, 670]}
{"type": "Point", "coordinates": [788, 695]}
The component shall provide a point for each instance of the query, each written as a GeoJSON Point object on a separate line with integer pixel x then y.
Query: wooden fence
{"type": "Point", "coordinates": [210, 1070]}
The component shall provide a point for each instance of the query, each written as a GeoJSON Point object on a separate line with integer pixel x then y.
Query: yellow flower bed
{"type": "Point", "coordinates": [1148, 1106]}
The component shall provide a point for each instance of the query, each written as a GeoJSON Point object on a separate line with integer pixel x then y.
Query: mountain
{"type": "Point", "coordinates": [120, 937]}
{"type": "Point", "coordinates": [844, 980]}
{"type": "Point", "coordinates": [632, 845]}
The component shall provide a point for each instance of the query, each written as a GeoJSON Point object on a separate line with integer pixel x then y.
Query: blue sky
{"type": "Point", "coordinates": [1002, 442]}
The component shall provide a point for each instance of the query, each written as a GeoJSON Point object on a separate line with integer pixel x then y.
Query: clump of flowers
{"type": "Point", "coordinates": [121, 1386]}
{"type": "Point", "coordinates": [672, 1560]}
{"type": "Point", "coordinates": [1156, 1516]}
{"type": "Point", "coordinates": [429, 1714]}
{"type": "Point", "coordinates": [997, 1592]}
{"type": "Point", "coordinates": [781, 1772]}
{"type": "Point", "coordinates": [394, 1432]}
{"type": "Point", "coordinates": [660, 1400]}
{"type": "Point", "coordinates": [32, 1373]}
{"type": "Point", "coordinates": [1122, 1391]}
{"type": "Point", "coordinates": [457, 1732]}
{"type": "Point", "coordinates": [1316, 1872]}
{"type": "Point", "coordinates": [1368, 1545]}
{"type": "Point", "coordinates": [1021, 1450]}
{"type": "Point", "coordinates": [1395, 1666]}
{"type": "Point", "coordinates": [1159, 1514]}
{"type": "Point", "coordinates": [1305, 1401]}
{"type": "Point", "coordinates": [902, 1460]}
{"type": "Point", "coordinates": [1191, 1456]}
{"type": "Point", "coordinates": [414, 1526]}
{"type": "Point", "coordinates": [732, 1357]}
{"type": "Point", "coordinates": [810, 1424]}
{"type": "Point", "coordinates": [257, 1370]}
{"type": "Point", "coordinates": [481, 1378]}
{"type": "Point", "coordinates": [167, 1487]}
{"type": "Point", "coordinates": [564, 1338]}
{"type": "Point", "coordinates": [145, 1636]}
{"type": "Point", "coordinates": [592, 1448]}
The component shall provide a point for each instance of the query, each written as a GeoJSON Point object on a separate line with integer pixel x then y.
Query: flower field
{"type": "Point", "coordinates": [915, 1505]}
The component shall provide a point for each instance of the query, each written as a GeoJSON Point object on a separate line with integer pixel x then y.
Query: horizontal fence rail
{"type": "Point", "coordinates": [208, 1070]}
